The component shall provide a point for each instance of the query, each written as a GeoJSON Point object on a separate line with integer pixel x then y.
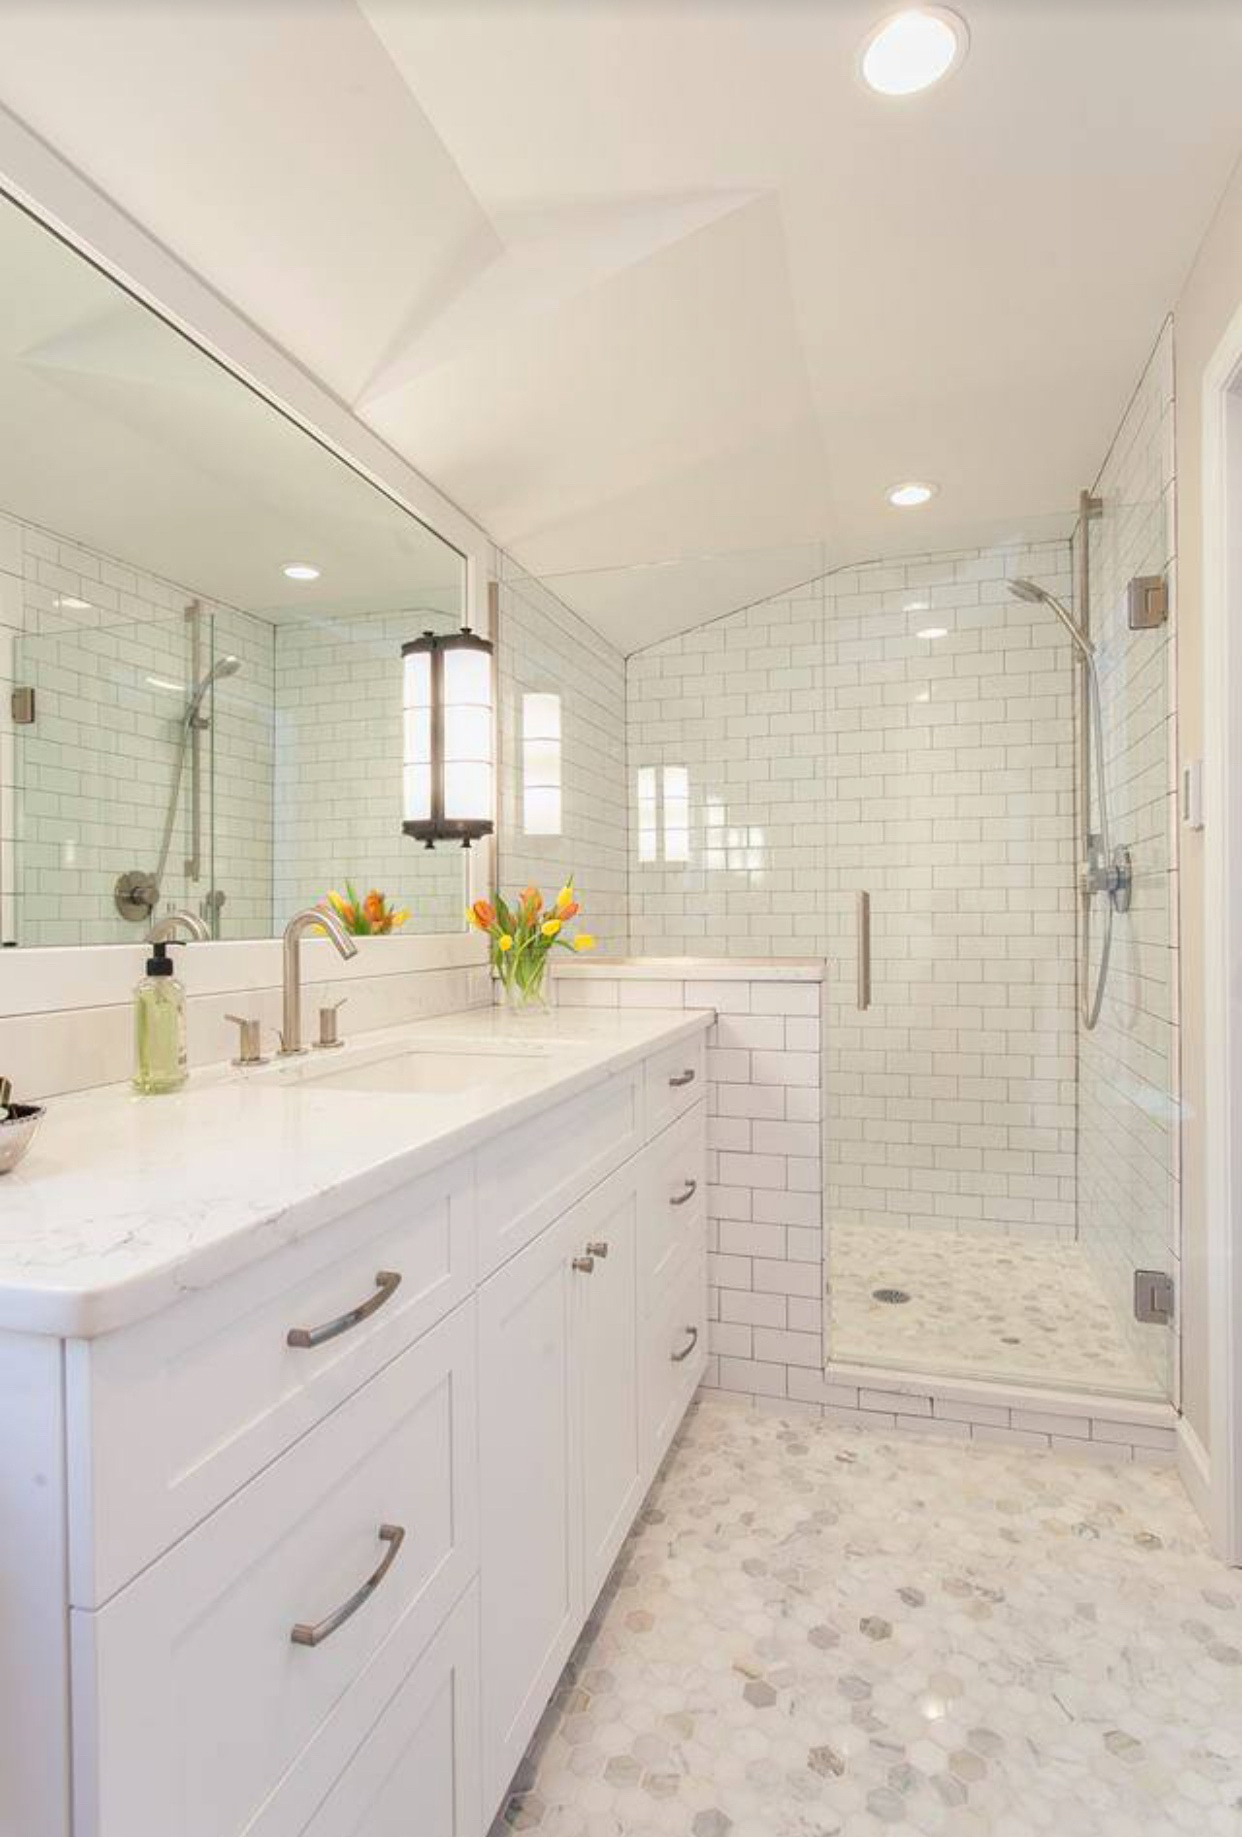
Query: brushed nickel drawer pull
{"type": "Point", "coordinates": [387, 1282]}
{"type": "Point", "coordinates": [684, 1198]}
{"type": "Point", "coordinates": [303, 1635]}
{"type": "Point", "coordinates": [585, 1265]}
{"type": "Point", "coordinates": [686, 1077]}
{"type": "Point", "coordinates": [599, 1249]}
{"type": "Point", "coordinates": [679, 1357]}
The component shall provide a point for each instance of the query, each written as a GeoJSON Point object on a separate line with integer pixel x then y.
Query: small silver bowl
{"type": "Point", "coordinates": [17, 1132]}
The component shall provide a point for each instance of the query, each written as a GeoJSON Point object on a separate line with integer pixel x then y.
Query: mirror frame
{"type": "Point", "coordinates": [38, 181]}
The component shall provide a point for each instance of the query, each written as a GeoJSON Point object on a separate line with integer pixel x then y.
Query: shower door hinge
{"type": "Point", "coordinates": [1153, 1297]}
{"type": "Point", "coordinates": [22, 707]}
{"type": "Point", "coordinates": [1147, 602]}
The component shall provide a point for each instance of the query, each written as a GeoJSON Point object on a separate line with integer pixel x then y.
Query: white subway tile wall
{"type": "Point", "coordinates": [1128, 1204]}
{"type": "Point", "coordinates": [302, 781]}
{"type": "Point", "coordinates": [106, 648]}
{"type": "Point", "coordinates": [545, 649]}
{"type": "Point", "coordinates": [338, 771]}
{"type": "Point", "coordinates": [831, 749]}
{"type": "Point", "coordinates": [765, 1200]}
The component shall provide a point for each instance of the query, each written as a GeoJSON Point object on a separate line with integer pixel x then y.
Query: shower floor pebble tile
{"type": "Point", "coordinates": [817, 1631]}
{"type": "Point", "coordinates": [981, 1305]}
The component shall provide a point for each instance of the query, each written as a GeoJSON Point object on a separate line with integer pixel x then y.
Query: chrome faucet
{"type": "Point", "coordinates": [302, 922]}
{"type": "Point", "coordinates": [173, 922]}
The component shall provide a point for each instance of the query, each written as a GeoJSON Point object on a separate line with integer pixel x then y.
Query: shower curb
{"type": "Point", "coordinates": [1077, 1423]}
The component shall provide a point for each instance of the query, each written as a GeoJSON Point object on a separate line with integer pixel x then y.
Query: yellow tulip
{"type": "Point", "coordinates": [565, 896]}
{"type": "Point", "coordinates": [550, 928]}
{"type": "Point", "coordinates": [505, 942]}
{"type": "Point", "coordinates": [584, 941]}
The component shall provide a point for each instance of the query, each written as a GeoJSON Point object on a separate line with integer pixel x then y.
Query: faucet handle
{"type": "Point", "coordinates": [329, 1027]}
{"type": "Point", "coordinates": [250, 1041]}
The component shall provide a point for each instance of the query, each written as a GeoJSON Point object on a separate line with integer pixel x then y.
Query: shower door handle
{"type": "Point", "coordinates": [864, 950]}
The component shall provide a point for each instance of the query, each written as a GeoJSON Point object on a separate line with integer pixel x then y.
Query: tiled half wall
{"type": "Point", "coordinates": [767, 1272]}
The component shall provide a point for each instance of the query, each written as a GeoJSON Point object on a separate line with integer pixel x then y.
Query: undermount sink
{"type": "Point", "coordinates": [424, 1073]}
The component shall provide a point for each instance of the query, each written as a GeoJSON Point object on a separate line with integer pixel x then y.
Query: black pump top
{"type": "Point", "coordinates": [160, 963]}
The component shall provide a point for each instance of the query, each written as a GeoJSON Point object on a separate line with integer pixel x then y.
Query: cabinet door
{"type": "Point", "coordinates": [607, 1362]}
{"type": "Point", "coordinates": [532, 1601]}
{"type": "Point", "coordinates": [417, 1772]}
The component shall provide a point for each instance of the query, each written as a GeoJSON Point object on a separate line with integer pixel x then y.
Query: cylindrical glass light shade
{"type": "Point", "coordinates": [541, 764]}
{"type": "Point", "coordinates": [448, 767]}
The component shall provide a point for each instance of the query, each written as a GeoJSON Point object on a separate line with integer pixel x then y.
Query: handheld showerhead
{"type": "Point", "coordinates": [222, 667]}
{"type": "Point", "coordinates": [1035, 595]}
{"type": "Point", "coordinates": [1026, 590]}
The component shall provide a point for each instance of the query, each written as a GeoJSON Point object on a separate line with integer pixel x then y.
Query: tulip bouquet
{"type": "Point", "coordinates": [365, 918]}
{"type": "Point", "coordinates": [523, 936]}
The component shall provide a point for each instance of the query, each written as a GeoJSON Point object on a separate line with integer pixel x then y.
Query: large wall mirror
{"type": "Point", "coordinates": [201, 617]}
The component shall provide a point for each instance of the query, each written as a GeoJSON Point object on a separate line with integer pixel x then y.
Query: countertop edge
{"type": "Point", "coordinates": [61, 1311]}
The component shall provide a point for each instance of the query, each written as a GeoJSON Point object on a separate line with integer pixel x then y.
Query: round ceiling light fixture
{"type": "Point", "coordinates": [912, 492]}
{"type": "Point", "coordinates": [300, 570]}
{"type": "Point", "coordinates": [911, 50]}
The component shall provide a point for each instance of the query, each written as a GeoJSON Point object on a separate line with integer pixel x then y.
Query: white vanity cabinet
{"type": "Point", "coordinates": [588, 1363]}
{"type": "Point", "coordinates": [560, 1447]}
{"type": "Point", "coordinates": [332, 1523]}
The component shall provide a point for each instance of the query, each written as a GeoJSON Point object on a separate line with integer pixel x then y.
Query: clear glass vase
{"type": "Point", "coordinates": [528, 994]}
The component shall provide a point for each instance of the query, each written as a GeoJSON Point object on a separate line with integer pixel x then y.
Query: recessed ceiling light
{"type": "Point", "coordinates": [301, 570]}
{"type": "Point", "coordinates": [912, 50]}
{"type": "Point", "coordinates": [932, 631]}
{"type": "Point", "coordinates": [912, 492]}
{"type": "Point", "coordinates": [68, 603]}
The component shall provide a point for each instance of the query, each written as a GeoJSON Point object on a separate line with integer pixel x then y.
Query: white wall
{"type": "Point", "coordinates": [1128, 1067]}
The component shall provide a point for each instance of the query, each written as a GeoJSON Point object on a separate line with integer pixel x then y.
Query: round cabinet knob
{"type": "Point", "coordinates": [597, 1250]}
{"type": "Point", "coordinates": [585, 1265]}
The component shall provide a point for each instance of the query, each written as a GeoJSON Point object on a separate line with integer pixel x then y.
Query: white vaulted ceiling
{"type": "Point", "coordinates": [638, 282]}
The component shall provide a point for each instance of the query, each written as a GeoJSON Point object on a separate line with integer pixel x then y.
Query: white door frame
{"type": "Point", "coordinates": [1222, 928]}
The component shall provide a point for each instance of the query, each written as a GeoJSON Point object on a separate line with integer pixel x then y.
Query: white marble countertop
{"type": "Point", "coordinates": [125, 1203]}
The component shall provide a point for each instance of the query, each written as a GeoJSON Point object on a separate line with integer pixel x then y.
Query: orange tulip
{"type": "Point", "coordinates": [483, 914]}
{"type": "Point", "coordinates": [532, 898]}
{"type": "Point", "coordinates": [572, 910]}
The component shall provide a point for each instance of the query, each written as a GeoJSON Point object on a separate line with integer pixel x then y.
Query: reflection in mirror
{"type": "Point", "coordinates": [201, 618]}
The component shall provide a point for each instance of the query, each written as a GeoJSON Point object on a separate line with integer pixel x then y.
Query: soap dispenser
{"type": "Point", "coordinates": [159, 1026]}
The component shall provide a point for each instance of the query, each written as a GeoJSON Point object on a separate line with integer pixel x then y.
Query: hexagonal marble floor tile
{"type": "Point", "coordinates": [816, 1631]}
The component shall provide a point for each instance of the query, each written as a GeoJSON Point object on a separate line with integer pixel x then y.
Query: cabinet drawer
{"type": "Point", "coordinates": [195, 1710]}
{"type": "Point", "coordinates": [417, 1772]}
{"type": "Point", "coordinates": [674, 1344]}
{"type": "Point", "coordinates": [674, 1202]}
{"type": "Point", "coordinates": [172, 1416]}
{"type": "Point", "coordinates": [535, 1171]}
{"type": "Point", "coordinates": [674, 1081]}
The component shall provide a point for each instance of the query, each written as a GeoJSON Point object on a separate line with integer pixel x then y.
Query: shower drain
{"type": "Point", "coordinates": [893, 1295]}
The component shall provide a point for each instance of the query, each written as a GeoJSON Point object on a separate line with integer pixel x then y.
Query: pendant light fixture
{"type": "Point", "coordinates": [448, 754]}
